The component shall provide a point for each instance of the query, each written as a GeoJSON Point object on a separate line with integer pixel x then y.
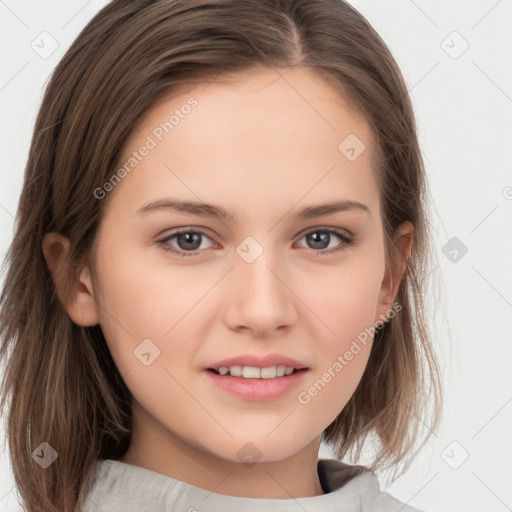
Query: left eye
{"type": "Point", "coordinates": [189, 241]}
{"type": "Point", "coordinates": [320, 237]}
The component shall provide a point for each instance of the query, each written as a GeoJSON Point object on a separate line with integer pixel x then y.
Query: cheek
{"type": "Point", "coordinates": [345, 301]}
{"type": "Point", "coordinates": [140, 301]}
{"type": "Point", "coordinates": [343, 298]}
{"type": "Point", "coordinates": [322, 398]}
{"type": "Point", "coordinates": [148, 319]}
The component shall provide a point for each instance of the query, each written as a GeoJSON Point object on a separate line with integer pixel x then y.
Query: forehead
{"type": "Point", "coordinates": [263, 131]}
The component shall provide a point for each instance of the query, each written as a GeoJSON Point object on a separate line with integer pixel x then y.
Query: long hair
{"type": "Point", "coordinates": [61, 385]}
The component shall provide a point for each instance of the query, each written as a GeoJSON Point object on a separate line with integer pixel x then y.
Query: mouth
{"type": "Point", "coordinates": [257, 384]}
{"type": "Point", "coordinates": [254, 372]}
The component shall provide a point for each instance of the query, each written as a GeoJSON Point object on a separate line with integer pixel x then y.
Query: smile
{"type": "Point", "coordinates": [258, 384]}
{"type": "Point", "coordinates": [253, 372]}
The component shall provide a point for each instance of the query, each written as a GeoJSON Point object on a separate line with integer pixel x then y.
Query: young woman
{"type": "Point", "coordinates": [219, 258]}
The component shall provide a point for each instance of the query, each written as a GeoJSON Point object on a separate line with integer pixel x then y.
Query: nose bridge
{"type": "Point", "coordinates": [257, 269]}
{"type": "Point", "coordinates": [261, 299]}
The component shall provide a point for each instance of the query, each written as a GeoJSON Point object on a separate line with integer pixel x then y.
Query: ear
{"type": "Point", "coordinates": [73, 286]}
{"type": "Point", "coordinates": [403, 239]}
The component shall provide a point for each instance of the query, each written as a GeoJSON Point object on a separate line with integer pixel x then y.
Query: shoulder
{"type": "Point", "coordinates": [335, 475]}
{"type": "Point", "coordinates": [120, 487]}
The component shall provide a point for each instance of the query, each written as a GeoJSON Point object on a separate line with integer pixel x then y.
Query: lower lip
{"type": "Point", "coordinates": [257, 389]}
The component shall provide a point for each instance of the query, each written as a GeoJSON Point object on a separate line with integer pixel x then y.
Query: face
{"type": "Point", "coordinates": [262, 277]}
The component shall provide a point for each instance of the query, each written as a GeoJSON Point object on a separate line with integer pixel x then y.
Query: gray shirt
{"type": "Point", "coordinates": [120, 487]}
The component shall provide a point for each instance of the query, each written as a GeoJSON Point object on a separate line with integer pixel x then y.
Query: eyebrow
{"type": "Point", "coordinates": [217, 212]}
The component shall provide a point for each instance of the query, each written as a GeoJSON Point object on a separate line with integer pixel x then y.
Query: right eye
{"type": "Point", "coordinates": [189, 242]}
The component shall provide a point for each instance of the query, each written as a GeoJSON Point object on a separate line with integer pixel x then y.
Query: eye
{"type": "Point", "coordinates": [188, 241]}
{"type": "Point", "coordinates": [321, 238]}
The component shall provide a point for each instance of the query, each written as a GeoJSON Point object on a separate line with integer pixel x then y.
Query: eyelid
{"type": "Point", "coordinates": [340, 231]}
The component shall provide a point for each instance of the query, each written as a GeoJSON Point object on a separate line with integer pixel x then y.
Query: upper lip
{"type": "Point", "coordinates": [259, 361]}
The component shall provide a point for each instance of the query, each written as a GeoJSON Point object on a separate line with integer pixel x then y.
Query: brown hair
{"type": "Point", "coordinates": [60, 381]}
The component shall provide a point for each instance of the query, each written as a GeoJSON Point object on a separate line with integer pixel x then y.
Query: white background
{"type": "Point", "coordinates": [464, 110]}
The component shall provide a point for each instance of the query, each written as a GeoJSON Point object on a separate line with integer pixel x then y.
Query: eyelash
{"type": "Point", "coordinates": [346, 241]}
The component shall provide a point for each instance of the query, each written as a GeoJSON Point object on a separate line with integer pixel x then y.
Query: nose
{"type": "Point", "coordinates": [261, 298]}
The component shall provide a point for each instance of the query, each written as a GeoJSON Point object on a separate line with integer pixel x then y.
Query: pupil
{"type": "Point", "coordinates": [319, 237]}
{"type": "Point", "coordinates": [193, 239]}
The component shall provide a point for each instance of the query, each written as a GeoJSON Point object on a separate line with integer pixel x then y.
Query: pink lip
{"type": "Point", "coordinates": [259, 361]}
{"type": "Point", "coordinates": [257, 389]}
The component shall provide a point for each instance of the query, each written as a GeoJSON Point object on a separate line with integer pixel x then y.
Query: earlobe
{"type": "Point", "coordinates": [73, 286]}
{"type": "Point", "coordinates": [403, 240]}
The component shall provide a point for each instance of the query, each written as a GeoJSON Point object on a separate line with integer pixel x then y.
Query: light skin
{"type": "Point", "coordinates": [262, 147]}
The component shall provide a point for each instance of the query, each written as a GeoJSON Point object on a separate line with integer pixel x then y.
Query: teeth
{"type": "Point", "coordinates": [252, 372]}
{"type": "Point", "coordinates": [268, 373]}
{"type": "Point", "coordinates": [236, 371]}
